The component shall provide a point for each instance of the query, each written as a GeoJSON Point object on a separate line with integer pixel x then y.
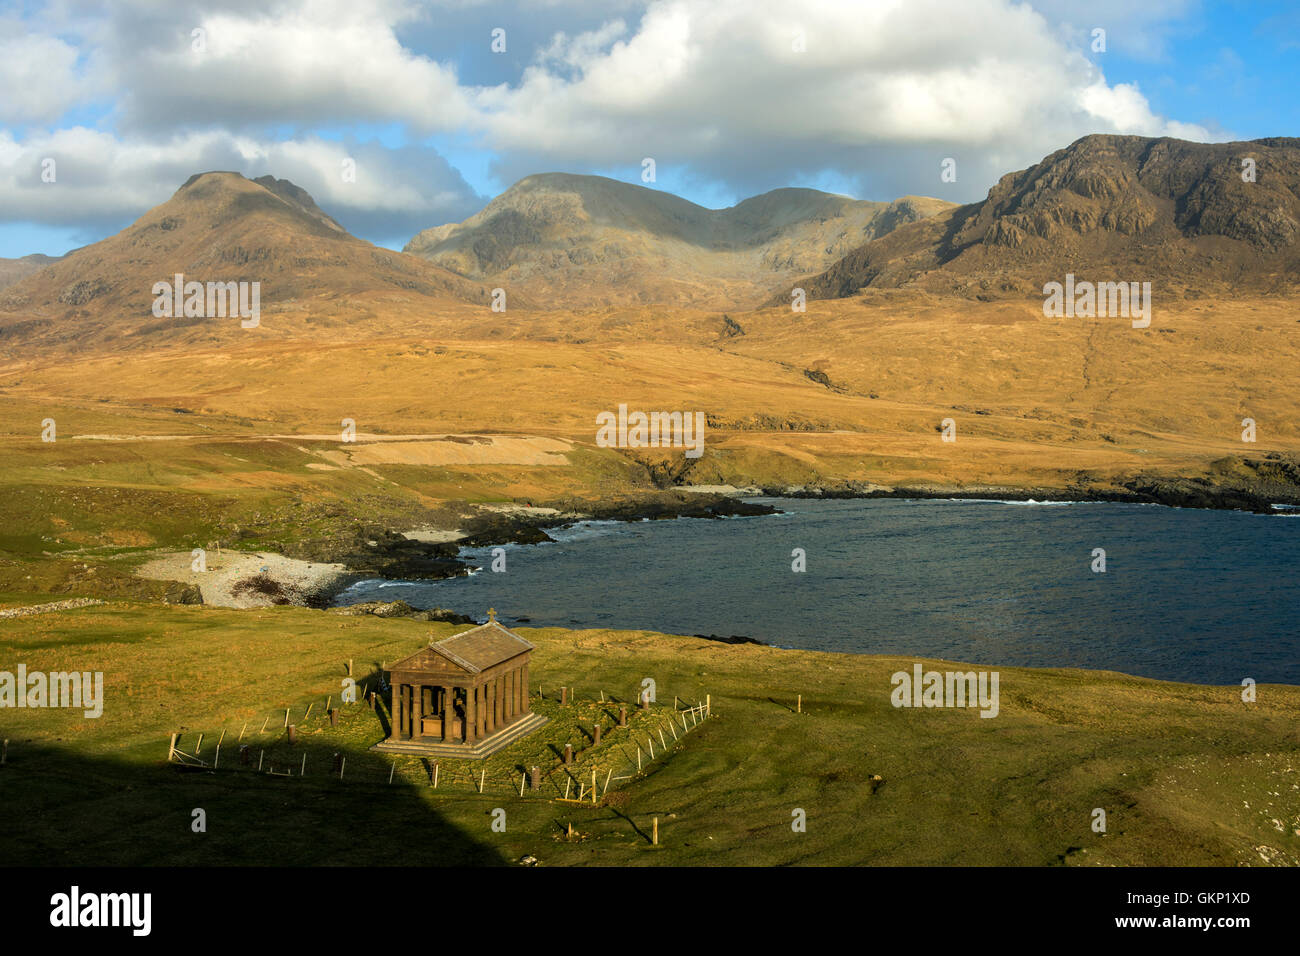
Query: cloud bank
{"type": "Point", "coordinates": [739, 95]}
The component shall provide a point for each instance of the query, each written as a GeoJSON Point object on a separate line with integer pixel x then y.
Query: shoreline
{"type": "Point", "coordinates": [316, 578]}
{"type": "Point", "coordinates": [319, 584]}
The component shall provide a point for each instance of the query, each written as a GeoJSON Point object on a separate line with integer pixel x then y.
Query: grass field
{"type": "Point", "coordinates": [229, 438]}
{"type": "Point", "coordinates": [1186, 774]}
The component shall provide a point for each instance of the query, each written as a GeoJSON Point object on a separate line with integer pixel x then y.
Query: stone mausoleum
{"type": "Point", "coordinates": [464, 696]}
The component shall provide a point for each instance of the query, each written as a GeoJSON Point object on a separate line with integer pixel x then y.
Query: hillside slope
{"type": "Point", "coordinates": [15, 270]}
{"type": "Point", "coordinates": [573, 241]}
{"type": "Point", "coordinates": [218, 227]}
{"type": "Point", "coordinates": [1113, 208]}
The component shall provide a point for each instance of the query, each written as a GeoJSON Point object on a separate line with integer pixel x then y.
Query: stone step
{"type": "Point", "coordinates": [476, 751]}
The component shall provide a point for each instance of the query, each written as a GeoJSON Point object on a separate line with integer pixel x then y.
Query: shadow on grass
{"type": "Point", "coordinates": [630, 822]}
{"type": "Point", "coordinates": [65, 809]}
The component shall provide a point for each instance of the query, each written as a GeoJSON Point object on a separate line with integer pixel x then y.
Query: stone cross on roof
{"type": "Point", "coordinates": [492, 614]}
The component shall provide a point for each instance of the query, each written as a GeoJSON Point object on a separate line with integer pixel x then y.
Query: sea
{"type": "Point", "coordinates": [1175, 594]}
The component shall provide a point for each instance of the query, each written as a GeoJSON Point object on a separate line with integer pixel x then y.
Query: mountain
{"type": "Point", "coordinates": [221, 227]}
{"type": "Point", "coordinates": [12, 270]}
{"type": "Point", "coordinates": [572, 241]}
{"type": "Point", "coordinates": [1112, 208]}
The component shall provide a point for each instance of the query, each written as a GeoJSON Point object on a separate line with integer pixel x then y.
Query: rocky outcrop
{"type": "Point", "coordinates": [1121, 207]}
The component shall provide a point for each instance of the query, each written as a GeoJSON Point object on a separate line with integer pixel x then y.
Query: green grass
{"type": "Point", "coordinates": [613, 761]}
{"type": "Point", "coordinates": [1186, 774]}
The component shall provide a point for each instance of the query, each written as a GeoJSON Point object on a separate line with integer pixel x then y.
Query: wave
{"type": "Point", "coordinates": [586, 529]}
{"type": "Point", "coordinates": [1012, 501]}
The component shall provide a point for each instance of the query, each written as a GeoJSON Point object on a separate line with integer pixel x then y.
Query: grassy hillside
{"type": "Point", "coordinates": [1186, 774]}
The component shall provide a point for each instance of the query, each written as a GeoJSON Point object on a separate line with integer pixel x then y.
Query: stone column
{"type": "Point", "coordinates": [448, 712]}
{"type": "Point", "coordinates": [497, 701]}
{"type": "Point", "coordinates": [396, 715]}
{"type": "Point", "coordinates": [417, 710]}
{"type": "Point", "coordinates": [508, 695]}
{"type": "Point", "coordinates": [480, 706]}
{"type": "Point", "coordinates": [524, 696]}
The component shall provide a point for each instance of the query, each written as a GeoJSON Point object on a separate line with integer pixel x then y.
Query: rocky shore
{"type": "Point", "coordinates": [1233, 484]}
{"type": "Point", "coordinates": [390, 554]}
{"type": "Point", "coordinates": [322, 568]}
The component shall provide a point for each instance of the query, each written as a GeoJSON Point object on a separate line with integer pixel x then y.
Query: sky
{"type": "Point", "coordinates": [398, 116]}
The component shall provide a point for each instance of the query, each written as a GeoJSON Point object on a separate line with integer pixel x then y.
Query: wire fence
{"type": "Point", "coordinates": [333, 743]}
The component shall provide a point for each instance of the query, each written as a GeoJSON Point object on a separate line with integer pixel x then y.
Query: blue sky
{"type": "Point", "coordinates": [730, 98]}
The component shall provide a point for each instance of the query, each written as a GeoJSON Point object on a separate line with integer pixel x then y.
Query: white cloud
{"type": "Point", "coordinates": [718, 84]}
{"type": "Point", "coordinates": [1124, 109]}
{"type": "Point", "coordinates": [102, 179]}
{"type": "Point", "coordinates": [716, 90]}
{"type": "Point", "coordinates": [39, 75]}
{"type": "Point", "coordinates": [318, 61]}
{"type": "Point", "coordinates": [1140, 30]}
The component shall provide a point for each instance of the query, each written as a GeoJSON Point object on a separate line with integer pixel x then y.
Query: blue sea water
{"type": "Point", "coordinates": [1187, 595]}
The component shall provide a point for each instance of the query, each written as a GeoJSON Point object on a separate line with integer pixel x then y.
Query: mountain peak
{"type": "Point", "coordinates": [223, 186]}
{"type": "Point", "coordinates": [1191, 214]}
{"type": "Point", "coordinates": [586, 241]}
{"type": "Point", "coordinates": [219, 226]}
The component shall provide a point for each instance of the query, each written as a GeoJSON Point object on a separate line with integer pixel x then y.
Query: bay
{"type": "Point", "coordinates": [1187, 595]}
